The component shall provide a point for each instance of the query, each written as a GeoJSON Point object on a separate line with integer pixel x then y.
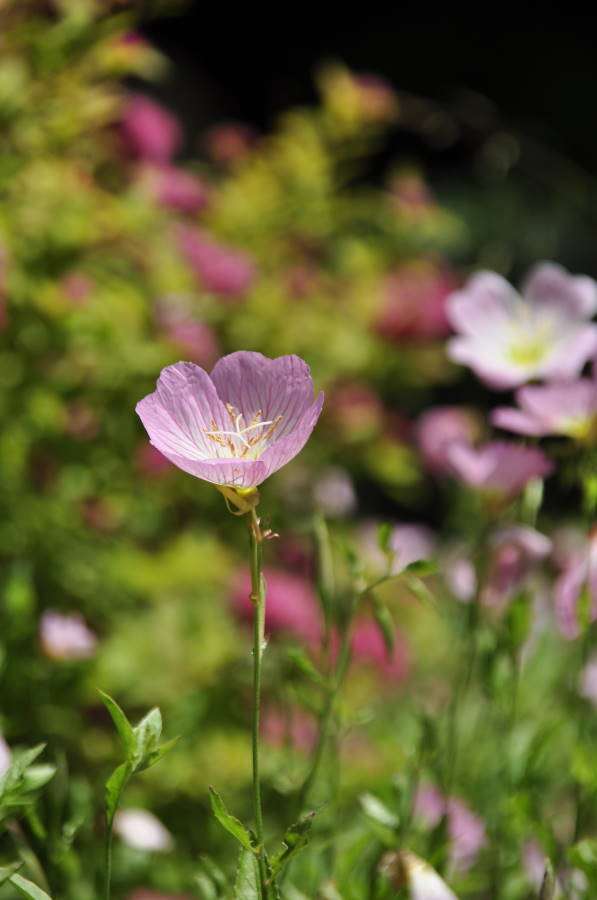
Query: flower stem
{"type": "Point", "coordinates": [108, 858]}
{"type": "Point", "coordinates": [258, 599]}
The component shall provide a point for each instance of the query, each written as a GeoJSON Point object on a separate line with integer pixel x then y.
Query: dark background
{"type": "Point", "coordinates": [247, 63]}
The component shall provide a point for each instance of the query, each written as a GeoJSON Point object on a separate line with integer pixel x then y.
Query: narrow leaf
{"type": "Point", "coordinates": [147, 736]}
{"type": "Point", "coordinates": [7, 872]}
{"type": "Point", "coordinates": [295, 839]}
{"type": "Point", "coordinates": [232, 825]}
{"type": "Point", "coordinates": [114, 788]}
{"type": "Point", "coordinates": [385, 623]}
{"type": "Point", "coordinates": [28, 889]}
{"type": "Point", "coordinates": [122, 724]}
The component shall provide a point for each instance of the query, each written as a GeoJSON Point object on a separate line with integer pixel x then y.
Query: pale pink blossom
{"type": "Point", "coordinates": [5, 756]}
{"type": "Point", "coordinates": [515, 550]}
{"type": "Point", "coordinates": [141, 830]}
{"type": "Point", "coordinates": [175, 188]}
{"type": "Point", "coordinates": [498, 468]}
{"type": "Point", "coordinates": [237, 426]}
{"type": "Point", "coordinates": [466, 831]}
{"type": "Point", "coordinates": [565, 408]}
{"type": "Point", "coordinates": [289, 727]}
{"type": "Point", "coordinates": [575, 590]}
{"type": "Point", "coordinates": [181, 327]}
{"type": "Point", "coordinates": [509, 338]}
{"type": "Point", "coordinates": [368, 648]}
{"type": "Point", "coordinates": [334, 494]}
{"type": "Point", "coordinates": [409, 542]}
{"type": "Point", "coordinates": [460, 575]}
{"type": "Point", "coordinates": [66, 637]}
{"type": "Point", "coordinates": [415, 303]}
{"type": "Point", "coordinates": [441, 427]}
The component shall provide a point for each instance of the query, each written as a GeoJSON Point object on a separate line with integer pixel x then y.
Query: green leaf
{"type": "Point", "coordinates": [419, 588]}
{"type": "Point", "coordinates": [295, 839]}
{"type": "Point", "coordinates": [123, 726]}
{"type": "Point", "coordinates": [7, 872]}
{"type": "Point", "coordinates": [147, 736]}
{"type": "Point", "coordinates": [302, 661]}
{"type": "Point", "coordinates": [28, 889]}
{"type": "Point", "coordinates": [377, 811]}
{"type": "Point", "coordinates": [156, 755]}
{"type": "Point", "coordinates": [385, 623]}
{"type": "Point", "coordinates": [232, 825]}
{"type": "Point", "coordinates": [384, 535]}
{"type": "Point", "coordinates": [422, 567]}
{"type": "Point", "coordinates": [37, 776]}
{"type": "Point", "coordinates": [246, 883]}
{"type": "Point", "coordinates": [115, 785]}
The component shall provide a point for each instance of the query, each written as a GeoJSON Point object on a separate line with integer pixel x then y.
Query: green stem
{"type": "Point", "coordinates": [258, 599]}
{"type": "Point", "coordinates": [108, 856]}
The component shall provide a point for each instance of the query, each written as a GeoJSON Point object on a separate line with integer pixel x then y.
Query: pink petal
{"type": "Point", "coordinates": [286, 448]}
{"type": "Point", "coordinates": [550, 283]}
{"type": "Point", "coordinates": [512, 419]}
{"type": "Point", "coordinates": [484, 303]}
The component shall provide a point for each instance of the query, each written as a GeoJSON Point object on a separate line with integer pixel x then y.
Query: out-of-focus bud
{"type": "Point", "coordinates": [149, 131]}
{"type": "Point", "coordinates": [405, 870]}
{"type": "Point", "coordinates": [77, 288]}
{"type": "Point", "coordinates": [141, 830]}
{"type": "Point", "coordinates": [66, 637]}
{"type": "Point", "coordinates": [334, 494]}
{"type": "Point", "coordinates": [230, 142]}
{"type": "Point", "coordinates": [222, 270]}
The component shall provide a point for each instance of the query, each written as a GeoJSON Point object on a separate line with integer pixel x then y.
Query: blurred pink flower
{"type": "Point", "coordinates": [77, 287]}
{"type": "Point", "coordinates": [290, 726]}
{"type": "Point", "coordinates": [141, 830]}
{"type": "Point", "coordinates": [377, 97]}
{"type": "Point", "coordinates": [356, 410]}
{"type": "Point", "coordinates": [587, 687]}
{"type": "Point", "coordinates": [441, 427]}
{"type": "Point", "coordinates": [415, 303]}
{"type": "Point", "coordinates": [5, 756]}
{"type": "Point", "coordinates": [578, 579]}
{"type": "Point", "coordinates": [568, 408]}
{"type": "Point", "coordinates": [514, 552]}
{"type": "Point", "coordinates": [509, 338]}
{"type": "Point", "coordinates": [192, 337]}
{"type": "Point", "coordinates": [368, 648]}
{"type": "Point", "coordinates": [150, 462]}
{"type": "Point", "coordinates": [66, 637]}
{"type": "Point", "coordinates": [292, 607]}
{"type": "Point", "coordinates": [533, 860]}
{"type": "Point", "coordinates": [150, 131]}
{"type": "Point", "coordinates": [175, 188]}
{"type": "Point", "coordinates": [237, 426]}
{"type": "Point", "coordinates": [222, 270]}
{"type": "Point", "coordinates": [498, 468]}
{"type": "Point", "coordinates": [230, 142]}
{"type": "Point", "coordinates": [409, 543]}
{"type": "Point", "coordinates": [460, 575]}
{"type": "Point", "coordinates": [466, 831]}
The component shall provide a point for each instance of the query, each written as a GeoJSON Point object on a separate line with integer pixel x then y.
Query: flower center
{"type": "Point", "coordinates": [243, 440]}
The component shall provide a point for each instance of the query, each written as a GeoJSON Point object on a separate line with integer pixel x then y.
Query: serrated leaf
{"type": "Point", "coordinates": [246, 883]}
{"type": "Point", "coordinates": [232, 825]}
{"type": "Point", "coordinates": [28, 889]}
{"type": "Point", "coordinates": [373, 807]}
{"type": "Point", "coordinates": [295, 839]}
{"type": "Point", "coordinates": [122, 724]}
{"type": "Point", "coordinates": [7, 872]}
{"type": "Point", "coordinates": [114, 788]}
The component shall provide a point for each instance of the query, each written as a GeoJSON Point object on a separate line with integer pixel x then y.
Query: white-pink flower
{"type": "Point", "coordinates": [66, 637]}
{"type": "Point", "coordinates": [141, 830]}
{"type": "Point", "coordinates": [563, 408]}
{"type": "Point", "coordinates": [509, 338]}
{"type": "Point", "coordinates": [498, 468]}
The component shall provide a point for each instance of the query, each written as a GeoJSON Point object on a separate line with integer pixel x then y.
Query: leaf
{"type": "Point", "coordinates": [37, 776]}
{"type": "Point", "coordinates": [377, 811]}
{"type": "Point", "coordinates": [123, 726]}
{"type": "Point", "coordinates": [295, 839]}
{"type": "Point", "coordinates": [384, 534]}
{"type": "Point", "coordinates": [246, 883]}
{"type": "Point", "coordinates": [419, 588]}
{"type": "Point", "coordinates": [28, 889]}
{"type": "Point", "coordinates": [385, 623]}
{"type": "Point", "coordinates": [422, 567]}
{"type": "Point", "coordinates": [147, 736]}
{"type": "Point", "coordinates": [301, 660]}
{"type": "Point", "coordinates": [7, 872]}
{"type": "Point", "coordinates": [232, 825]}
{"type": "Point", "coordinates": [548, 885]}
{"type": "Point", "coordinates": [156, 755]}
{"type": "Point", "coordinates": [114, 788]}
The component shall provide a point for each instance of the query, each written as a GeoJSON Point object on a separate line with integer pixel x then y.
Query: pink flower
{"type": "Point", "coordinates": [141, 830]}
{"type": "Point", "coordinates": [441, 427]}
{"type": "Point", "coordinates": [466, 830]}
{"type": "Point", "coordinates": [498, 468]}
{"type": "Point", "coordinates": [77, 287]}
{"type": "Point", "coordinates": [509, 339]}
{"type": "Point", "coordinates": [290, 726]}
{"type": "Point", "coordinates": [150, 132]}
{"type": "Point", "coordinates": [579, 579]}
{"type": "Point", "coordinates": [534, 859]}
{"type": "Point", "coordinates": [356, 410]}
{"type": "Point", "coordinates": [5, 756]}
{"type": "Point", "coordinates": [292, 607]}
{"type": "Point", "coordinates": [176, 189]}
{"type": "Point", "coordinates": [415, 303]}
{"type": "Point", "coordinates": [568, 408]}
{"type": "Point", "coordinates": [514, 552]}
{"type": "Point", "coordinates": [334, 494]}
{"type": "Point", "coordinates": [66, 637]}
{"type": "Point", "coordinates": [368, 648]}
{"type": "Point", "coordinates": [150, 462]}
{"type": "Point", "coordinates": [222, 270]}
{"type": "Point", "coordinates": [237, 426]}
{"type": "Point", "coordinates": [409, 543]}
{"type": "Point", "coordinates": [460, 575]}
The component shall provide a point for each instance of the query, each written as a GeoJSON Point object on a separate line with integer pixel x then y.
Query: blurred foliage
{"type": "Point", "coordinates": [102, 284]}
